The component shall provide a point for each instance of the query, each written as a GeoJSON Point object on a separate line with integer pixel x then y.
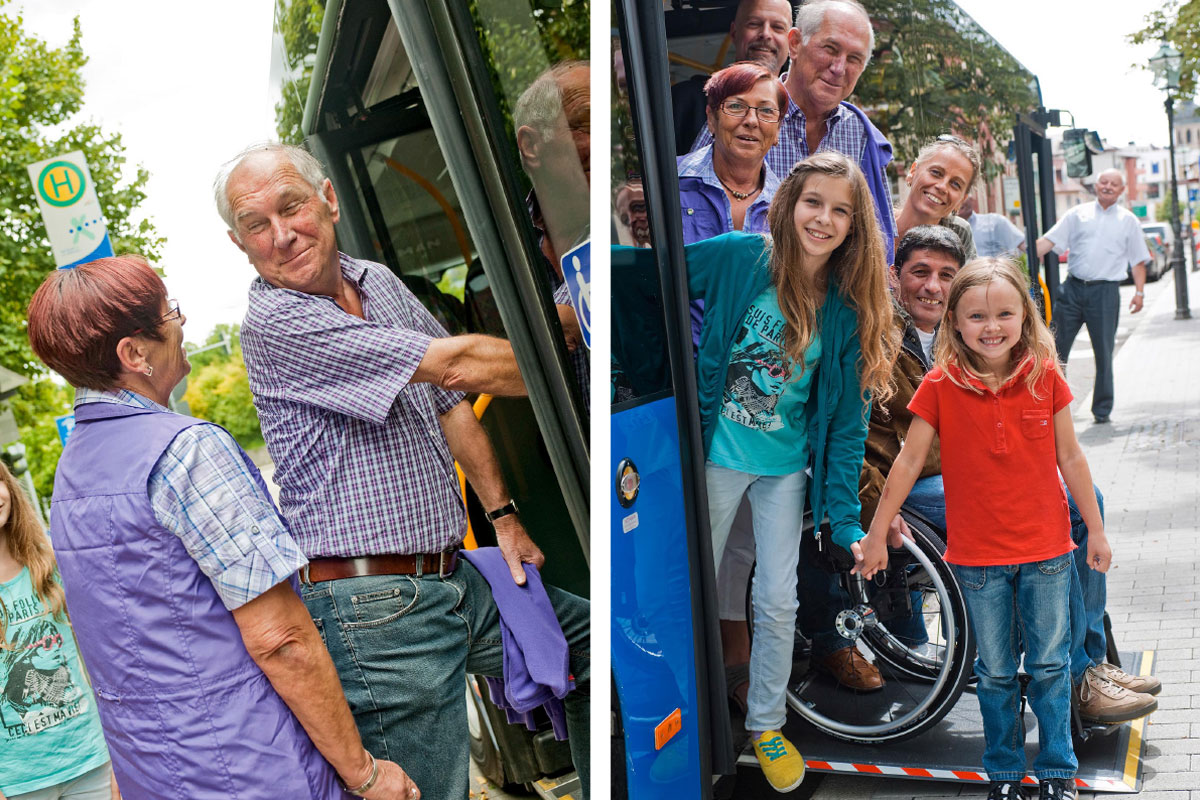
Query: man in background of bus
{"type": "Point", "coordinates": [759, 32]}
{"type": "Point", "coordinates": [358, 391]}
{"type": "Point", "coordinates": [927, 259]}
{"type": "Point", "coordinates": [994, 235]}
{"type": "Point", "coordinates": [552, 121]}
{"type": "Point", "coordinates": [830, 46]}
{"type": "Point", "coordinates": [1104, 239]}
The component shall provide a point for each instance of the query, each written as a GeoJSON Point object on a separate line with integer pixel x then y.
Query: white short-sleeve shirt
{"type": "Point", "coordinates": [1103, 242]}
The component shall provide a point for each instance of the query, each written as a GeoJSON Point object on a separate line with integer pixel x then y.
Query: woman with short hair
{"type": "Point", "coordinates": [210, 677]}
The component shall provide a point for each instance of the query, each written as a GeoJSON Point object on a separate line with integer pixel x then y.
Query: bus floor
{"type": "Point", "coordinates": [1110, 760]}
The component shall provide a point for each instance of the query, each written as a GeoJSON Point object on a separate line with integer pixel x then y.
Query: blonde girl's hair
{"type": "Point", "coordinates": [1036, 343]}
{"type": "Point", "coordinates": [29, 545]}
{"type": "Point", "coordinates": [857, 268]}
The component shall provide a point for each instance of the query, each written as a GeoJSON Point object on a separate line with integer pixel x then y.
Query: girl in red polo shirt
{"type": "Point", "coordinates": [1001, 407]}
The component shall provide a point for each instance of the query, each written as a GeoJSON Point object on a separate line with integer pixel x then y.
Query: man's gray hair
{"type": "Point", "coordinates": [541, 106]}
{"type": "Point", "coordinates": [305, 163]}
{"type": "Point", "coordinates": [811, 15]}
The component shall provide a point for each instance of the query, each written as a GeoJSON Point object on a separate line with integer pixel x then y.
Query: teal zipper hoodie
{"type": "Point", "coordinates": [728, 272]}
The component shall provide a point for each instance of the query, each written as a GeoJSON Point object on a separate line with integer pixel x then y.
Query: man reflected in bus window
{"type": "Point", "coordinates": [829, 47]}
{"type": "Point", "coordinates": [759, 32]}
{"type": "Point", "coordinates": [356, 388]}
{"type": "Point", "coordinates": [553, 131]}
{"type": "Point", "coordinates": [630, 203]}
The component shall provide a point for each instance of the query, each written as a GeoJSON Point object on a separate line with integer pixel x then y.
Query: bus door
{"type": "Point", "coordinates": [668, 680]}
{"type": "Point", "coordinates": [412, 105]}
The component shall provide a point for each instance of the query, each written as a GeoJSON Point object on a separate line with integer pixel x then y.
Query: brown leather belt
{"type": "Point", "coordinates": [332, 569]}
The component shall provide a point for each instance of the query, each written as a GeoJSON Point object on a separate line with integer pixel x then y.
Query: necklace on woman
{"type": "Point", "coordinates": [741, 195]}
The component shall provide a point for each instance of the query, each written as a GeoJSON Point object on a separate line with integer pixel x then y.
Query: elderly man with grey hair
{"type": "Point", "coordinates": [830, 46]}
{"type": "Point", "coordinates": [552, 122]}
{"type": "Point", "coordinates": [359, 391]}
{"type": "Point", "coordinates": [1104, 239]}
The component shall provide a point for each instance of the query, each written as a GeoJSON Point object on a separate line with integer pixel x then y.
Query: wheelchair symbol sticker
{"type": "Point", "coordinates": [577, 272]}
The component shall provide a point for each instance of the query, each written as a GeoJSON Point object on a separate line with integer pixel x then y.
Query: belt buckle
{"type": "Point", "coordinates": [304, 575]}
{"type": "Point", "coordinates": [442, 561]}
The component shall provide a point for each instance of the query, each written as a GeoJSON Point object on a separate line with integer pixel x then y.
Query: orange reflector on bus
{"type": "Point", "coordinates": [670, 726]}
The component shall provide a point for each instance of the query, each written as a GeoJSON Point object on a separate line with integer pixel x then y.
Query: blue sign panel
{"type": "Point", "coordinates": [577, 272]}
{"type": "Point", "coordinates": [66, 424]}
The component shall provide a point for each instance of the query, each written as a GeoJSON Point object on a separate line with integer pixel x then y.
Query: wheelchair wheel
{"type": "Point", "coordinates": [884, 618]}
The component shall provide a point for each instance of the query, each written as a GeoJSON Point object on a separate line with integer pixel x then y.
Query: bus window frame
{"type": "Point", "coordinates": [643, 40]}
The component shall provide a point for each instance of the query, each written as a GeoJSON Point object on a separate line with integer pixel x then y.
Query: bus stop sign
{"type": "Point", "coordinates": [67, 197]}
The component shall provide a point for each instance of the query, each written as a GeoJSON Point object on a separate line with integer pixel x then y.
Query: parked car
{"type": "Point", "coordinates": [1160, 259]}
{"type": "Point", "coordinates": [1164, 233]}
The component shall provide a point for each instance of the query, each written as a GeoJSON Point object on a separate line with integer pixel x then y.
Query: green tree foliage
{"type": "Point", "coordinates": [1179, 23]}
{"type": "Point", "coordinates": [219, 389]}
{"type": "Point", "coordinates": [934, 70]}
{"type": "Point", "coordinates": [298, 25]}
{"type": "Point", "coordinates": [41, 90]}
{"type": "Point", "coordinates": [35, 405]}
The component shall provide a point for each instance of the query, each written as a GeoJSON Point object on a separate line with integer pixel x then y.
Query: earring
{"type": "Point", "coordinates": [149, 370]}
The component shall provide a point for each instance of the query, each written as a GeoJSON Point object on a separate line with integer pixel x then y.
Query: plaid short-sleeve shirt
{"type": "Point", "coordinates": [360, 458]}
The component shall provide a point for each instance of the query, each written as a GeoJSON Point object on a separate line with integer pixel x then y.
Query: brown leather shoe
{"type": "Point", "coordinates": [849, 668]}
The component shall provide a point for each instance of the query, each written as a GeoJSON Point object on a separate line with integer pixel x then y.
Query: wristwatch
{"type": "Point", "coordinates": [503, 511]}
{"type": "Point", "coordinates": [1139, 294]}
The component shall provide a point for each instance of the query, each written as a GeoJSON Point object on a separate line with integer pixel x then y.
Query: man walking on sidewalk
{"type": "Point", "coordinates": [1104, 239]}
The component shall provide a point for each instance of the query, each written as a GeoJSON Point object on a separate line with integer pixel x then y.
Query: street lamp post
{"type": "Point", "coordinates": [1165, 64]}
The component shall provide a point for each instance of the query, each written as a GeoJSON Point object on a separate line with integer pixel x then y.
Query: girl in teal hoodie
{"type": "Point", "coordinates": [797, 334]}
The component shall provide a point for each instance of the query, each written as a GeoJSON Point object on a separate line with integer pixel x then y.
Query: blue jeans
{"type": "Point", "coordinates": [1089, 595]}
{"type": "Point", "coordinates": [928, 498]}
{"type": "Point", "coordinates": [1010, 605]}
{"type": "Point", "coordinates": [777, 504]}
{"type": "Point", "coordinates": [402, 646]}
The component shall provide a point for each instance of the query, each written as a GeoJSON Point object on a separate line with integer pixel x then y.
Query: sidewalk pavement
{"type": "Point", "coordinates": [1147, 464]}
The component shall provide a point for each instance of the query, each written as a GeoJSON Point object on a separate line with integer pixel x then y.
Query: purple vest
{"type": "Point", "coordinates": [185, 710]}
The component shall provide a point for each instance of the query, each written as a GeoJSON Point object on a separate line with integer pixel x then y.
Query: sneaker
{"type": "Point", "coordinates": [1056, 789]}
{"type": "Point", "coordinates": [1006, 790]}
{"type": "Point", "coordinates": [1146, 684]}
{"type": "Point", "coordinates": [781, 762]}
{"type": "Point", "coordinates": [1100, 700]}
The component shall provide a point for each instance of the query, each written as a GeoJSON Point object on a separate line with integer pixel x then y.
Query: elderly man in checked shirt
{"type": "Point", "coordinates": [358, 391]}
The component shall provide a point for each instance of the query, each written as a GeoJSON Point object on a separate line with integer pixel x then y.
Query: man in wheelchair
{"type": "Point", "coordinates": [927, 259]}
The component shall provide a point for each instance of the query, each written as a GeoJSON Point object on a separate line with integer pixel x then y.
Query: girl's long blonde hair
{"type": "Point", "coordinates": [857, 268]}
{"type": "Point", "coordinates": [1036, 343]}
{"type": "Point", "coordinates": [29, 545]}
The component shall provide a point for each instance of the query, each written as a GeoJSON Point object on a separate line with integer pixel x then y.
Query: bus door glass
{"type": "Point", "coordinates": [653, 643]}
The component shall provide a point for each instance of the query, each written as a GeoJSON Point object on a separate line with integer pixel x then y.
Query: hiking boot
{"type": "Point", "coordinates": [781, 762]}
{"type": "Point", "coordinates": [1100, 700]}
{"type": "Point", "coordinates": [1006, 790]}
{"type": "Point", "coordinates": [1146, 684]}
{"type": "Point", "coordinates": [1056, 789]}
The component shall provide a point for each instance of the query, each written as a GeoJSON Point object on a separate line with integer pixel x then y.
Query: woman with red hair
{"type": "Point", "coordinates": [210, 677]}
